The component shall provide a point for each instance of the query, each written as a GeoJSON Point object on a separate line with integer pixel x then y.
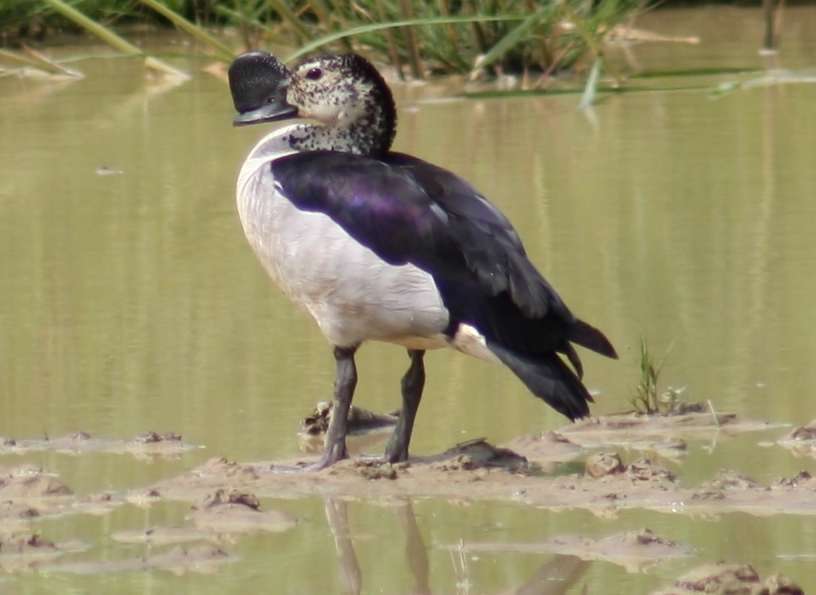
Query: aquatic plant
{"type": "Point", "coordinates": [648, 399]}
{"type": "Point", "coordinates": [467, 37]}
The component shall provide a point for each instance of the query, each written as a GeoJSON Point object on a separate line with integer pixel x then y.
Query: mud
{"type": "Point", "coordinates": [27, 551]}
{"type": "Point", "coordinates": [801, 441]}
{"type": "Point", "coordinates": [636, 551]}
{"type": "Point", "coordinates": [359, 419]}
{"type": "Point", "coordinates": [27, 481]}
{"type": "Point", "coordinates": [665, 434]}
{"type": "Point", "coordinates": [163, 536]}
{"type": "Point", "coordinates": [555, 470]}
{"type": "Point", "coordinates": [146, 445]}
{"type": "Point", "coordinates": [225, 493]}
{"type": "Point", "coordinates": [27, 494]}
{"type": "Point", "coordinates": [476, 470]}
{"type": "Point", "coordinates": [365, 427]}
{"type": "Point", "coordinates": [238, 512]}
{"type": "Point", "coordinates": [199, 558]}
{"type": "Point", "coordinates": [722, 579]}
{"type": "Point", "coordinates": [220, 514]}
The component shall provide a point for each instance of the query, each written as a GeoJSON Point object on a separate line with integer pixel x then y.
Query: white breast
{"type": "Point", "coordinates": [352, 294]}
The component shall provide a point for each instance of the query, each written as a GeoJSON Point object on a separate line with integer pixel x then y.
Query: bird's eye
{"type": "Point", "coordinates": [314, 74]}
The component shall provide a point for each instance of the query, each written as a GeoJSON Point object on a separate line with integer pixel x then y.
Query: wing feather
{"type": "Point", "coordinates": [393, 206]}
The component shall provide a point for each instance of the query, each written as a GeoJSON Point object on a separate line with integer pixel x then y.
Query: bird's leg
{"type": "Point", "coordinates": [344, 382]}
{"type": "Point", "coordinates": [412, 385]}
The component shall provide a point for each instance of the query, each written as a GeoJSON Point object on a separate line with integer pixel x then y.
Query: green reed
{"type": "Point", "coordinates": [428, 37]}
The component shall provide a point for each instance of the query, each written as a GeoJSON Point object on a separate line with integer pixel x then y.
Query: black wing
{"type": "Point", "coordinates": [407, 210]}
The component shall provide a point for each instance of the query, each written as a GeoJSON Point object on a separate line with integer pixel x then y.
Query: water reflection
{"type": "Point", "coordinates": [557, 575]}
{"type": "Point", "coordinates": [348, 566]}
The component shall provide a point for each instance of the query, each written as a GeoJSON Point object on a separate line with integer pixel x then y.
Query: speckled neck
{"type": "Point", "coordinates": [361, 138]}
{"type": "Point", "coordinates": [366, 127]}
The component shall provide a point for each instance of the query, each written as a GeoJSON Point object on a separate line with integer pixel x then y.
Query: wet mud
{"type": "Point", "coordinates": [479, 471]}
{"type": "Point", "coordinates": [801, 441]}
{"type": "Point", "coordinates": [665, 433]}
{"type": "Point", "coordinates": [359, 419]}
{"type": "Point", "coordinates": [220, 515]}
{"type": "Point", "coordinates": [179, 560]}
{"type": "Point", "coordinates": [596, 465]}
{"type": "Point", "coordinates": [146, 445]}
{"type": "Point", "coordinates": [21, 552]}
{"type": "Point", "coordinates": [635, 551]}
{"type": "Point", "coordinates": [27, 493]}
{"type": "Point", "coordinates": [723, 579]}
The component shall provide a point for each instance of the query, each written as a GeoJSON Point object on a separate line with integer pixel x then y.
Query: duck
{"type": "Point", "coordinates": [378, 245]}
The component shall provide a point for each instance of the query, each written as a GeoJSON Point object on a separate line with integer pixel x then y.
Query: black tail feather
{"type": "Point", "coordinates": [573, 358]}
{"type": "Point", "coordinates": [548, 378]}
{"type": "Point", "coordinates": [588, 336]}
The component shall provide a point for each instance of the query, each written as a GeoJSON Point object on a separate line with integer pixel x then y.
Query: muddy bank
{"type": "Point", "coordinates": [27, 493]}
{"type": "Point", "coordinates": [730, 579]}
{"type": "Point", "coordinates": [801, 441]}
{"type": "Point", "coordinates": [199, 558]}
{"type": "Point", "coordinates": [603, 482]}
{"type": "Point", "coordinates": [634, 550]}
{"type": "Point", "coordinates": [518, 471]}
{"type": "Point", "coordinates": [27, 551]}
{"type": "Point", "coordinates": [219, 514]}
{"type": "Point", "coordinates": [477, 470]}
{"type": "Point", "coordinates": [145, 445]}
{"type": "Point", "coordinates": [663, 434]}
{"type": "Point", "coordinates": [226, 498]}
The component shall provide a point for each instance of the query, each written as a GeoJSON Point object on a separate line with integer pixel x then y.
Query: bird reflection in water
{"type": "Point", "coordinates": [556, 576]}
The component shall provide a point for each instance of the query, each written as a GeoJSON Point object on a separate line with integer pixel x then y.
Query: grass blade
{"type": "Point", "coordinates": [393, 49]}
{"type": "Point", "coordinates": [326, 39]}
{"type": "Point", "coordinates": [591, 87]}
{"type": "Point", "coordinates": [516, 35]}
{"type": "Point", "coordinates": [40, 61]}
{"type": "Point", "coordinates": [417, 68]}
{"type": "Point", "coordinates": [95, 28]}
{"type": "Point", "coordinates": [286, 14]}
{"type": "Point", "coordinates": [222, 50]}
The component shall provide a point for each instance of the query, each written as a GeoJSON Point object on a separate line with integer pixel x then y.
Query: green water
{"type": "Point", "coordinates": [132, 302]}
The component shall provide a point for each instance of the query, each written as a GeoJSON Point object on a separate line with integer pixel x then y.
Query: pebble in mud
{"type": "Point", "coordinates": [723, 579]}
{"type": "Point", "coordinates": [359, 419]}
{"type": "Point", "coordinates": [154, 437]}
{"type": "Point", "coordinates": [801, 441]}
{"type": "Point", "coordinates": [30, 482]}
{"type": "Point", "coordinates": [25, 551]}
{"type": "Point", "coordinates": [806, 432]}
{"type": "Point", "coordinates": [728, 479]}
{"type": "Point", "coordinates": [603, 463]}
{"type": "Point", "coordinates": [235, 511]}
{"type": "Point", "coordinates": [232, 497]}
{"type": "Point", "coordinates": [376, 469]}
{"type": "Point", "coordinates": [645, 470]}
{"type": "Point", "coordinates": [801, 478]}
{"type": "Point", "coordinates": [479, 454]}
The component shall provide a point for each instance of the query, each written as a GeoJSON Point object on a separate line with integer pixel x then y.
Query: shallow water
{"type": "Point", "coordinates": [132, 302]}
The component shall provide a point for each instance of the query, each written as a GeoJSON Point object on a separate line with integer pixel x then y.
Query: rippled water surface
{"type": "Point", "coordinates": [131, 301]}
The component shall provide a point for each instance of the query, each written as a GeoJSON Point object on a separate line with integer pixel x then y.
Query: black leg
{"type": "Point", "coordinates": [412, 385]}
{"type": "Point", "coordinates": [344, 382]}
